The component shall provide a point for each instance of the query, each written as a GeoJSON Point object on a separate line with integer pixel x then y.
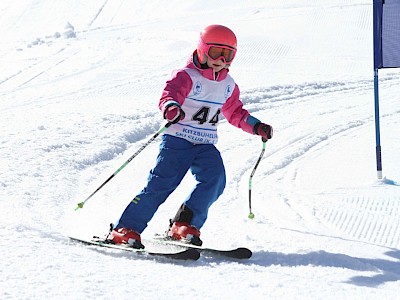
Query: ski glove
{"type": "Point", "coordinates": [173, 113]}
{"type": "Point", "coordinates": [263, 130]}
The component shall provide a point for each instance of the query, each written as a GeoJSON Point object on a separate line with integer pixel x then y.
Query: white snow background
{"type": "Point", "coordinates": [79, 88]}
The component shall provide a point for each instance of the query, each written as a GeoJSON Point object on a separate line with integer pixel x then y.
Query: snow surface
{"type": "Point", "coordinates": [79, 87]}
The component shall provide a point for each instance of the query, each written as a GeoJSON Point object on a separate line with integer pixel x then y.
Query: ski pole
{"type": "Point", "coordinates": [251, 215]}
{"type": "Point", "coordinates": [80, 205]}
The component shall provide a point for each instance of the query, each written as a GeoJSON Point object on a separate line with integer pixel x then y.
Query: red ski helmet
{"type": "Point", "coordinates": [217, 41]}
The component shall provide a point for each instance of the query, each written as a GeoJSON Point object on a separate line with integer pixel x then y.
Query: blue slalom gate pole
{"type": "Point", "coordinates": [377, 126]}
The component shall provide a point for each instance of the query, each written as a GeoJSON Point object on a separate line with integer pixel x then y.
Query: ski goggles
{"type": "Point", "coordinates": [216, 52]}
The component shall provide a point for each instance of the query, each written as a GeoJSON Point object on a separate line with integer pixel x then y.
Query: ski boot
{"type": "Point", "coordinates": [125, 236]}
{"type": "Point", "coordinates": [185, 233]}
{"type": "Point", "coordinates": [180, 228]}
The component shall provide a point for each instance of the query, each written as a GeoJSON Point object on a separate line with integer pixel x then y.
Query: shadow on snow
{"type": "Point", "coordinates": [387, 270]}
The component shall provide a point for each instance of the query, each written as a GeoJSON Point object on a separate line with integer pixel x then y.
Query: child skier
{"type": "Point", "coordinates": [194, 100]}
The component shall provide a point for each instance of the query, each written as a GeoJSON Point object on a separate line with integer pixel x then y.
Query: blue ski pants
{"type": "Point", "coordinates": [175, 158]}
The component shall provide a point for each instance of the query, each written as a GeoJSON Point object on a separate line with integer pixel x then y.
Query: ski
{"type": "Point", "coordinates": [235, 253]}
{"type": "Point", "coordinates": [188, 254]}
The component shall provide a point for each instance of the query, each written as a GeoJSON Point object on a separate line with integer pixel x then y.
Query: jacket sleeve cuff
{"type": "Point", "coordinates": [170, 103]}
{"type": "Point", "coordinates": [253, 122]}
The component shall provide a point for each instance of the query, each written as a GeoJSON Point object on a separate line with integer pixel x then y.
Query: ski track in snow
{"type": "Point", "coordinates": [355, 220]}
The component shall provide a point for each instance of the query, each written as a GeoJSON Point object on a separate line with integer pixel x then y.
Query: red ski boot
{"type": "Point", "coordinates": [126, 236]}
{"type": "Point", "coordinates": [185, 233]}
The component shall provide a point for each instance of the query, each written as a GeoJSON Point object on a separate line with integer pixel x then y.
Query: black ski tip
{"type": "Point", "coordinates": [243, 253]}
{"type": "Point", "coordinates": [188, 254]}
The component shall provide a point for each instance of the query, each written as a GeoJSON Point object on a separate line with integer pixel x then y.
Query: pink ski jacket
{"type": "Point", "coordinates": [206, 98]}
